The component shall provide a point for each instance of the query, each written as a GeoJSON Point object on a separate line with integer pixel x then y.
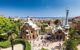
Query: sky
{"type": "Point", "coordinates": [39, 8]}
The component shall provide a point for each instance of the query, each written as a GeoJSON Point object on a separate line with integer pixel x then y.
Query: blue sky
{"type": "Point", "coordinates": [42, 8]}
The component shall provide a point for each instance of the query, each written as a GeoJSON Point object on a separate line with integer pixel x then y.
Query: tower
{"type": "Point", "coordinates": [66, 20]}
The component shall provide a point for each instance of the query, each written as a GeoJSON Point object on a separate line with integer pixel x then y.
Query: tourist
{"type": "Point", "coordinates": [52, 48]}
{"type": "Point", "coordinates": [60, 46]}
{"type": "Point", "coordinates": [39, 45]}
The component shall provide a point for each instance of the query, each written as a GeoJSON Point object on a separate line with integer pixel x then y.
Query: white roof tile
{"type": "Point", "coordinates": [33, 25]}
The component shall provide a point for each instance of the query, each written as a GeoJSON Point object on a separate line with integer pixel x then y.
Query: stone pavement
{"type": "Point", "coordinates": [37, 44]}
{"type": "Point", "coordinates": [16, 47]}
{"type": "Point", "coordinates": [78, 47]}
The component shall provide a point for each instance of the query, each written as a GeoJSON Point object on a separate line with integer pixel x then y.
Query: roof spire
{"type": "Point", "coordinates": [28, 18]}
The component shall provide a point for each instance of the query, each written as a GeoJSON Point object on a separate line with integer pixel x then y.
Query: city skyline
{"type": "Point", "coordinates": [41, 8]}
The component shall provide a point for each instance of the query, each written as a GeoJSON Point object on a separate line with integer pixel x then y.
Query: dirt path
{"type": "Point", "coordinates": [16, 47]}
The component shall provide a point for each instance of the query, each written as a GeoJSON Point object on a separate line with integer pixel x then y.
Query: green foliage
{"type": "Point", "coordinates": [72, 33]}
{"type": "Point", "coordinates": [43, 49]}
{"type": "Point", "coordinates": [7, 25]}
{"type": "Point", "coordinates": [57, 21]}
{"type": "Point", "coordinates": [5, 44]}
{"type": "Point", "coordinates": [42, 29]}
{"type": "Point", "coordinates": [71, 44]}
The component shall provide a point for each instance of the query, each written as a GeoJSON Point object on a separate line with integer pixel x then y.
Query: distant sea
{"type": "Point", "coordinates": [49, 17]}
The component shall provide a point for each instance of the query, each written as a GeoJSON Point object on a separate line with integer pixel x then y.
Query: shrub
{"type": "Point", "coordinates": [5, 44]}
{"type": "Point", "coordinates": [71, 44]}
{"type": "Point", "coordinates": [43, 49]}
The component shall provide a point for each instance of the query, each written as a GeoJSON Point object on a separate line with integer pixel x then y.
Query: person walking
{"type": "Point", "coordinates": [60, 46]}
{"type": "Point", "coordinates": [0, 48]}
{"type": "Point", "coordinates": [52, 48]}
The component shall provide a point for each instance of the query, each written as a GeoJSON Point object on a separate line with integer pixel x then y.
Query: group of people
{"type": "Point", "coordinates": [42, 43]}
{"type": "Point", "coordinates": [59, 47]}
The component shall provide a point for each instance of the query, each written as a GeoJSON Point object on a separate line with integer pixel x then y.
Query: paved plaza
{"type": "Point", "coordinates": [16, 47]}
{"type": "Point", "coordinates": [38, 43]}
{"type": "Point", "coordinates": [78, 47]}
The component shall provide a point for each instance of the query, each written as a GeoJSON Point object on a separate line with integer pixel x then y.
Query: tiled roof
{"type": "Point", "coordinates": [33, 25]}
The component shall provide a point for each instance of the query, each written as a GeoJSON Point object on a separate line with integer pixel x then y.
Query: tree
{"type": "Point", "coordinates": [57, 22]}
{"type": "Point", "coordinates": [7, 24]}
{"type": "Point", "coordinates": [72, 33]}
{"type": "Point", "coordinates": [71, 44]}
